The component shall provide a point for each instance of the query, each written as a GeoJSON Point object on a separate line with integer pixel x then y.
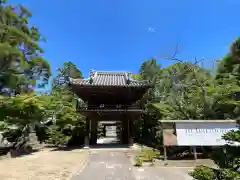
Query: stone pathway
{"type": "Point", "coordinates": [106, 165]}
{"type": "Point", "coordinates": [113, 164]}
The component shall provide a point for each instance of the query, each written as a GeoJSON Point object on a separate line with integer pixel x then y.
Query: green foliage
{"type": "Point", "coordinates": [147, 127]}
{"type": "Point", "coordinates": [228, 161]}
{"type": "Point", "coordinates": [203, 173]}
{"type": "Point", "coordinates": [186, 91]}
{"type": "Point", "coordinates": [19, 115]}
{"type": "Point", "coordinates": [67, 70]}
{"type": "Point", "coordinates": [229, 66]}
{"type": "Point", "coordinates": [183, 90]}
{"type": "Point", "coordinates": [61, 105]}
{"type": "Point", "coordinates": [148, 154]}
{"type": "Point", "coordinates": [149, 70]}
{"type": "Point", "coordinates": [22, 110]}
{"type": "Point", "coordinates": [29, 111]}
{"type": "Point", "coordinates": [232, 136]}
{"type": "Point", "coordinates": [21, 65]}
{"type": "Point", "coordinates": [57, 137]}
{"type": "Point", "coordinates": [137, 76]}
{"type": "Point", "coordinates": [138, 161]}
{"type": "Point", "coordinates": [225, 95]}
{"type": "Point", "coordinates": [21, 60]}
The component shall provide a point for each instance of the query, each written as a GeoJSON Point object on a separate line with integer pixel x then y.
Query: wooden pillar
{"type": "Point", "coordinates": [86, 139]}
{"type": "Point", "coordinates": [125, 131]}
{"type": "Point", "coordinates": [94, 132]}
{"type": "Point", "coordinates": [104, 130]}
{"type": "Point", "coordinates": [122, 132]}
{"type": "Point", "coordinates": [130, 132]}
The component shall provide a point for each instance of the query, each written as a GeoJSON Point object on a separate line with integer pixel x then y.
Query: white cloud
{"type": "Point", "coordinates": [151, 29]}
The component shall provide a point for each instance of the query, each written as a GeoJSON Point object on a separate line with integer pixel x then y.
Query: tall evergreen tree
{"type": "Point", "coordinates": [67, 70]}
{"type": "Point", "coordinates": [69, 125]}
{"type": "Point", "coordinates": [21, 60]}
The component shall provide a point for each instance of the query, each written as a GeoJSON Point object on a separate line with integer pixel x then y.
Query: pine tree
{"type": "Point", "coordinates": [21, 60]}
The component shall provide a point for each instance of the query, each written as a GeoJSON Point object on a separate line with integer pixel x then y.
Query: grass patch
{"type": "Point", "coordinates": [146, 155]}
{"type": "Point", "coordinates": [138, 161]}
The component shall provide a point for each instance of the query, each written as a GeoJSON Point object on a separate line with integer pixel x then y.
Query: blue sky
{"type": "Point", "coordinates": [117, 35]}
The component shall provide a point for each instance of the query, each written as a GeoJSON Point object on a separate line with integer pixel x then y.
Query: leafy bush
{"type": "Point", "coordinates": [56, 136]}
{"type": "Point", "coordinates": [228, 160]}
{"type": "Point", "coordinates": [138, 161]}
{"type": "Point", "coordinates": [203, 173]}
{"type": "Point", "coordinates": [68, 127]}
{"type": "Point", "coordinates": [19, 115]}
{"type": "Point", "coordinates": [148, 154]}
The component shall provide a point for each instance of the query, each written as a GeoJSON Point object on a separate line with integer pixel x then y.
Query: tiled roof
{"type": "Point", "coordinates": [102, 78]}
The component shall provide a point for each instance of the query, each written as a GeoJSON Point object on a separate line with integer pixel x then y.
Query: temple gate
{"type": "Point", "coordinates": [109, 96]}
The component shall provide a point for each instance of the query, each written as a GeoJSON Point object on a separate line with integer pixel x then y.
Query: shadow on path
{"type": "Point", "coordinates": [69, 148]}
{"type": "Point", "coordinates": [109, 145]}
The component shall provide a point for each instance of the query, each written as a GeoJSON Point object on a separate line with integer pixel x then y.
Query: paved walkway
{"type": "Point", "coordinates": [112, 163]}
{"type": "Point", "coordinates": [106, 165]}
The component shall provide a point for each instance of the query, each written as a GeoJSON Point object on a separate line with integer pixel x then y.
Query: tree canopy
{"type": "Point", "coordinates": [185, 90]}
{"type": "Point", "coordinates": [21, 60]}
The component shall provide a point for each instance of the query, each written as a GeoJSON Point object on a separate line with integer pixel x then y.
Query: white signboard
{"type": "Point", "coordinates": [202, 133]}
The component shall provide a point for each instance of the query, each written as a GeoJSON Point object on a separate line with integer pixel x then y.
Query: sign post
{"type": "Point", "coordinates": [203, 133]}
{"type": "Point", "coordinates": [195, 133]}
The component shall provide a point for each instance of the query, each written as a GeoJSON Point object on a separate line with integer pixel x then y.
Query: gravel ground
{"type": "Point", "coordinates": [47, 164]}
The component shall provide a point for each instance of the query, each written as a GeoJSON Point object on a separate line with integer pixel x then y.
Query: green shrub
{"type": "Point", "coordinates": [203, 173]}
{"type": "Point", "coordinates": [149, 154]}
{"type": "Point", "coordinates": [138, 161]}
{"type": "Point", "coordinates": [57, 137]}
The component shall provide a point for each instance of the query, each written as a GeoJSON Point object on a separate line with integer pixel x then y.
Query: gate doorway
{"type": "Point", "coordinates": [109, 133]}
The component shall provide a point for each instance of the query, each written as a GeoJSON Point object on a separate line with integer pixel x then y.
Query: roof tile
{"type": "Point", "coordinates": [101, 78]}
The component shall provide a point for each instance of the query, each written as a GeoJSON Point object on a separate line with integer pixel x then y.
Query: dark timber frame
{"type": "Point", "coordinates": [109, 96]}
